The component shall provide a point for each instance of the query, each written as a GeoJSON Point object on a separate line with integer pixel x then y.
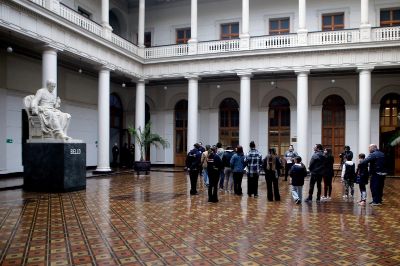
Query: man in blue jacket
{"type": "Point", "coordinates": [376, 162]}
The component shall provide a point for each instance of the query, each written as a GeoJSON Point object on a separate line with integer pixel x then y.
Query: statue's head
{"type": "Point", "coordinates": [51, 85]}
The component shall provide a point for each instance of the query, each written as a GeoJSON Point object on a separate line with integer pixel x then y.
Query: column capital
{"type": "Point", "coordinates": [302, 71]}
{"type": "Point", "coordinates": [365, 68]}
{"type": "Point", "coordinates": [52, 47]}
{"type": "Point", "coordinates": [244, 74]}
{"type": "Point", "coordinates": [192, 77]}
{"type": "Point", "coordinates": [106, 67]}
{"type": "Point", "coordinates": [141, 80]}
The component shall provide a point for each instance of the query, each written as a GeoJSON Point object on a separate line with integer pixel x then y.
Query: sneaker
{"type": "Point", "coordinates": [324, 198]}
{"type": "Point", "coordinates": [361, 203]}
{"type": "Point", "coordinates": [328, 198]}
{"type": "Point", "coordinates": [345, 196]}
{"type": "Point", "coordinates": [256, 196]}
{"type": "Point", "coordinates": [376, 204]}
{"type": "Point", "coordinates": [308, 200]}
{"type": "Point", "coordinates": [318, 200]}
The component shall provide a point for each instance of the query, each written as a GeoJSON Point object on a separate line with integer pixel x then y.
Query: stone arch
{"type": "Point", "coordinates": [377, 97]}
{"type": "Point", "coordinates": [223, 95]}
{"type": "Point", "coordinates": [278, 92]}
{"type": "Point", "coordinates": [175, 99]}
{"type": "Point", "coordinates": [348, 100]}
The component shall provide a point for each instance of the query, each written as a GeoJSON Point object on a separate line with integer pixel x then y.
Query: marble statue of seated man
{"type": "Point", "coordinates": [45, 104]}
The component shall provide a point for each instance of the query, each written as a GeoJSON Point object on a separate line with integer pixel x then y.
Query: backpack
{"type": "Point", "coordinates": [350, 172]}
{"type": "Point", "coordinates": [192, 162]}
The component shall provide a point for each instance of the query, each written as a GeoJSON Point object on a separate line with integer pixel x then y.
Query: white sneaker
{"type": "Point", "coordinates": [324, 198]}
{"type": "Point", "coordinates": [345, 196]}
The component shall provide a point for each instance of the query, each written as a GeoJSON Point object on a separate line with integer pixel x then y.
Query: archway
{"type": "Point", "coordinates": [181, 120]}
{"type": "Point", "coordinates": [229, 122]}
{"type": "Point", "coordinates": [334, 124]}
{"type": "Point", "coordinates": [279, 124]}
{"type": "Point", "coordinates": [389, 129]}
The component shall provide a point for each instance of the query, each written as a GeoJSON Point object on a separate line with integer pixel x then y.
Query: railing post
{"type": "Point", "coordinates": [52, 5]}
{"type": "Point", "coordinates": [192, 47]}
{"type": "Point", "coordinates": [141, 51]}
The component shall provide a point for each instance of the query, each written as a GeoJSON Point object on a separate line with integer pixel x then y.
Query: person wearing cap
{"type": "Point", "coordinates": [193, 165]}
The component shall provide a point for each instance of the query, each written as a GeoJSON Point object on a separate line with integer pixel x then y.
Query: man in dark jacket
{"type": "Point", "coordinates": [376, 161]}
{"type": "Point", "coordinates": [193, 165]}
{"type": "Point", "coordinates": [317, 170]}
{"type": "Point", "coordinates": [214, 167]}
{"type": "Point", "coordinates": [298, 172]}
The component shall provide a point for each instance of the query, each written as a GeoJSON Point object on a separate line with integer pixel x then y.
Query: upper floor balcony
{"type": "Point", "coordinates": [333, 32]}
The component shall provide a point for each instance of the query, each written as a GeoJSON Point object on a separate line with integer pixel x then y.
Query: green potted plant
{"type": "Point", "coordinates": [145, 138]}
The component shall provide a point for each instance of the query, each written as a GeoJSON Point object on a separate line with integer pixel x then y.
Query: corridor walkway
{"type": "Point", "coordinates": [152, 220]}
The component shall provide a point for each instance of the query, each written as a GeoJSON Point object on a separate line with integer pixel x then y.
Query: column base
{"type": "Point", "coordinates": [102, 170]}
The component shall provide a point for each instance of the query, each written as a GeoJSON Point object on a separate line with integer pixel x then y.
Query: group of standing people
{"type": "Point", "coordinates": [126, 155]}
{"type": "Point", "coordinates": [224, 169]}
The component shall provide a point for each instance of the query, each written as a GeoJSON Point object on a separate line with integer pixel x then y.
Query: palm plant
{"type": "Point", "coordinates": [145, 138]}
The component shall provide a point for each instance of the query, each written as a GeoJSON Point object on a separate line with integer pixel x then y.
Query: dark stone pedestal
{"type": "Point", "coordinates": [54, 167]}
{"type": "Point", "coordinates": [142, 166]}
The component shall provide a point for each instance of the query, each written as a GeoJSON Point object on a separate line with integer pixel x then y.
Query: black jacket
{"type": "Point", "coordinates": [193, 160]}
{"type": "Point", "coordinates": [317, 163]}
{"type": "Point", "coordinates": [298, 172]}
{"type": "Point", "coordinates": [226, 158]}
{"type": "Point", "coordinates": [329, 161]}
{"type": "Point", "coordinates": [376, 161]}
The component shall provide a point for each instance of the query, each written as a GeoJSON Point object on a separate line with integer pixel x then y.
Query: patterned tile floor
{"type": "Point", "coordinates": [152, 220]}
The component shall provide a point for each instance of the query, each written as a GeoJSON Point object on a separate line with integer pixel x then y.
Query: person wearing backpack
{"type": "Point", "coordinates": [362, 176]}
{"type": "Point", "coordinates": [271, 165]}
{"type": "Point", "coordinates": [193, 165]}
{"type": "Point", "coordinates": [297, 173]}
{"type": "Point", "coordinates": [348, 176]}
{"type": "Point", "coordinates": [214, 167]}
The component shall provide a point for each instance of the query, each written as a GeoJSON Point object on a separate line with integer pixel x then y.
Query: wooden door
{"type": "Point", "coordinates": [333, 125]}
{"type": "Point", "coordinates": [181, 110]}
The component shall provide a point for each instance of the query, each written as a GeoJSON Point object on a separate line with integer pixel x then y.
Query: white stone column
{"type": "Point", "coordinates": [49, 66]}
{"type": "Point", "coordinates": [105, 10]}
{"type": "Point", "coordinates": [364, 111]}
{"type": "Point", "coordinates": [141, 23]}
{"type": "Point", "coordinates": [245, 35]}
{"type": "Point", "coordinates": [302, 30]}
{"type": "Point", "coordinates": [365, 27]}
{"type": "Point", "coordinates": [140, 113]}
{"type": "Point", "coordinates": [244, 110]}
{"type": "Point", "coordinates": [103, 145]}
{"type": "Point", "coordinates": [193, 28]}
{"type": "Point", "coordinates": [193, 111]}
{"type": "Point", "coordinates": [302, 115]}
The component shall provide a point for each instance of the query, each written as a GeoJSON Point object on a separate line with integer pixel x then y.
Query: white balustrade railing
{"type": "Point", "coordinates": [275, 41]}
{"type": "Point", "coordinates": [218, 46]}
{"type": "Point", "coordinates": [333, 37]}
{"type": "Point", "coordinates": [121, 42]}
{"type": "Point", "coordinates": [166, 51]}
{"type": "Point", "coordinates": [39, 2]}
{"type": "Point", "coordinates": [386, 34]}
{"type": "Point", "coordinates": [80, 20]}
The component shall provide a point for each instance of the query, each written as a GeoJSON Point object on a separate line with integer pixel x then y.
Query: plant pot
{"type": "Point", "coordinates": [142, 166]}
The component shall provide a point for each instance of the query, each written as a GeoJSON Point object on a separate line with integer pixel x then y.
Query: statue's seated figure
{"type": "Point", "coordinates": [42, 110]}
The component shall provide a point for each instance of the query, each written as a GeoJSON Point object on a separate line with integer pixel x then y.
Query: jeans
{"type": "Point", "coordinates": [377, 184]}
{"type": "Point", "coordinates": [363, 192]}
{"type": "Point", "coordinates": [237, 181]}
{"type": "Point", "coordinates": [297, 192]}
{"type": "Point", "coordinates": [221, 179]}
{"type": "Point", "coordinates": [228, 179]}
{"type": "Point", "coordinates": [205, 176]}
{"type": "Point", "coordinates": [288, 166]}
{"type": "Point", "coordinates": [327, 186]}
{"type": "Point", "coordinates": [315, 178]}
{"type": "Point", "coordinates": [252, 184]}
{"type": "Point", "coordinates": [349, 187]}
{"type": "Point", "coordinates": [193, 181]}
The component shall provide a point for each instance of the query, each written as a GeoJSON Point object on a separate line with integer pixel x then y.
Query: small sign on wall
{"type": "Point", "coordinates": [9, 141]}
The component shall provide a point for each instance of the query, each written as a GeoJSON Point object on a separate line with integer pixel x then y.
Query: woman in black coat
{"type": "Point", "coordinates": [329, 173]}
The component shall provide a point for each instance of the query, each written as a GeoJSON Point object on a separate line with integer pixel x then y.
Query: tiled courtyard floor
{"type": "Point", "coordinates": [152, 220]}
